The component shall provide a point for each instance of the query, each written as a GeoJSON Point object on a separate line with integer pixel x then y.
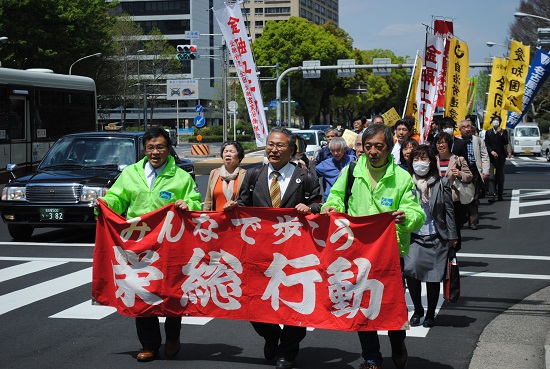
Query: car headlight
{"type": "Point", "coordinates": [92, 193]}
{"type": "Point", "coordinates": [14, 194]}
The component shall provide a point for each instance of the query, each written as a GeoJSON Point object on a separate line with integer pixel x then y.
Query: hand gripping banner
{"type": "Point", "coordinates": [258, 264]}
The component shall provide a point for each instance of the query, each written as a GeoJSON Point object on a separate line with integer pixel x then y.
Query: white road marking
{"type": "Point", "coordinates": [40, 291]}
{"type": "Point", "coordinates": [20, 270]}
{"type": "Point", "coordinates": [521, 201]}
{"type": "Point", "coordinates": [85, 310]}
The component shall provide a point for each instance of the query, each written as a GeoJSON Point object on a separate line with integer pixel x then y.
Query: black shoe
{"type": "Point", "coordinates": [492, 199]}
{"type": "Point", "coordinates": [367, 365]}
{"type": "Point", "coordinates": [399, 354]}
{"type": "Point", "coordinates": [270, 349]}
{"type": "Point", "coordinates": [428, 323]}
{"type": "Point", "coordinates": [415, 319]}
{"type": "Point", "coordinates": [500, 198]}
{"type": "Point", "coordinates": [283, 363]}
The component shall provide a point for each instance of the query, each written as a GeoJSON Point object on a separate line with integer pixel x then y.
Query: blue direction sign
{"type": "Point", "coordinates": [199, 121]}
{"type": "Point", "coordinates": [198, 108]}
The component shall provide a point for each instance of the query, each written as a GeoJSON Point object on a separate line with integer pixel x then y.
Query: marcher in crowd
{"type": "Point", "coordinates": [300, 158]}
{"type": "Point", "coordinates": [359, 124]}
{"type": "Point", "coordinates": [224, 182]}
{"type": "Point", "coordinates": [404, 154]}
{"type": "Point", "coordinates": [478, 162]}
{"type": "Point", "coordinates": [434, 130]}
{"type": "Point", "coordinates": [496, 141]}
{"type": "Point", "coordinates": [458, 146]}
{"type": "Point", "coordinates": [428, 253]}
{"type": "Point", "coordinates": [280, 184]}
{"type": "Point", "coordinates": [403, 130]}
{"type": "Point", "coordinates": [358, 146]}
{"type": "Point", "coordinates": [453, 167]}
{"type": "Point", "coordinates": [324, 153]}
{"type": "Point", "coordinates": [330, 168]}
{"type": "Point", "coordinates": [145, 186]}
{"type": "Point", "coordinates": [380, 186]}
{"type": "Point", "coordinates": [377, 119]}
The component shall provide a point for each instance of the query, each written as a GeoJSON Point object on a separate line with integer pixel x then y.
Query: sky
{"type": "Point", "coordinates": [397, 24]}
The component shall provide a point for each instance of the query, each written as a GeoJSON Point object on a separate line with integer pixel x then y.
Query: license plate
{"type": "Point", "coordinates": [527, 151]}
{"type": "Point", "coordinates": [56, 214]}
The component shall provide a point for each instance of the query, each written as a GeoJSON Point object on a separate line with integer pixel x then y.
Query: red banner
{"type": "Point", "coordinates": [257, 264]}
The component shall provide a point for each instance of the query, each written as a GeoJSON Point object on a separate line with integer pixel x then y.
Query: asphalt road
{"type": "Point", "coordinates": [47, 320]}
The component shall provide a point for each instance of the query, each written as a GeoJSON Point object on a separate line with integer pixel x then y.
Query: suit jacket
{"type": "Point", "coordinates": [258, 193]}
{"type": "Point", "coordinates": [496, 142]}
{"type": "Point", "coordinates": [480, 154]}
{"type": "Point", "coordinates": [212, 180]}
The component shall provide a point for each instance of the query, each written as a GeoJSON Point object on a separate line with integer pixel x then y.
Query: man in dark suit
{"type": "Point", "coordinates": [260, 188]}
{"type": "Point", "coordinates": [496, 140]}
{"type": "Point", "coordinates": [458, 147]}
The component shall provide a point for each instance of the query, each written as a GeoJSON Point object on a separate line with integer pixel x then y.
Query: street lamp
{"type": "Point", "coordinates": [84, 57]}
{"type": "Point", "coordinates": [520, 15]}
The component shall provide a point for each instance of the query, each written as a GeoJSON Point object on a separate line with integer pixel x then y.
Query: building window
{"type": "Point", "coordinates": [278, 10]}
{"type": "Point", "coordinates": [259, 11]}
{"type": "Point", "coordinates": [166, 27]}
{"type": "Point", "coordinates": [155, 7]}
{"type": "Point", "coordinates": [259, 24]}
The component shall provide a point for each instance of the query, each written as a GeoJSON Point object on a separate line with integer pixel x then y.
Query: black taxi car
{"type": "Point", "coordinates": [76, 170]}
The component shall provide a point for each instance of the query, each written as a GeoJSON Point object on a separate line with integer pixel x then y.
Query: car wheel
{"type": "Point", "coordinates": [548, 155]}
{"type": "Point", "coordinates": [20, 232]}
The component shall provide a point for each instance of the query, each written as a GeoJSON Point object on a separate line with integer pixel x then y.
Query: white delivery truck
{"type": "Point", "coordinates": [525, 139]}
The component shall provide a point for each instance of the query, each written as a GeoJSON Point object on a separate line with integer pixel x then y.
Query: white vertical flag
{"type": "Point", "coordinates": [429, 83]}
{"type": "Point", "coordinates": [231, 23]}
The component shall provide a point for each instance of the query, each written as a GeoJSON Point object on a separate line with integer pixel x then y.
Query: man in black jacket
{"type": "Point", "coordinates": [298, 189]}
{"type": "Point", "coordinates": [496, 140]}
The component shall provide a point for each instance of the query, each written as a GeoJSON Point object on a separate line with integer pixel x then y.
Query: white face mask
{"type": "Point", "coordinates": [448, 130]}
{"type": "Point", "coordinates": [421, 168]}
{"type": "Point", "coordinates": [496, 123]}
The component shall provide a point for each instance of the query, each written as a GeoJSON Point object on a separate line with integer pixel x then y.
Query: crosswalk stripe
{"type": "Point", "coordinates": [20, 270]}
{"type": "Point", "coordinates": [85, 310]}
{"type": "Point", "coordinates": [40, 291]}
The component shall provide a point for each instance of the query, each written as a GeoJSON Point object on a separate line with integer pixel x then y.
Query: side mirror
{"type": "Point", "coordinates": [12, 168]}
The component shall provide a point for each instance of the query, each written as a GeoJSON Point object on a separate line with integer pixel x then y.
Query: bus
{"type": "Point", "coordinates": [37, 107]}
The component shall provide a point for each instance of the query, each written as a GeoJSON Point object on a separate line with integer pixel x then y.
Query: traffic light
{"type": "Point", "coordinates": [187, 52]}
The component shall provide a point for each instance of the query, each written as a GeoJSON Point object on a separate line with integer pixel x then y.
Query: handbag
{"type": "Point", "coordinates": [451, 285]}
{"type": "Point", "coordinates": [466, 191]}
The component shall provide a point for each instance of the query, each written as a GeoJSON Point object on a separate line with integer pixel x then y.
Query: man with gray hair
{"type": "Point", "coordinates": [330, 168]}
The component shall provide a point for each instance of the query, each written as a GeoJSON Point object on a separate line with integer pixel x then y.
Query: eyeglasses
{"type": "Point", "coordinates": [279, 146]}
{"type": "Point", "coordinates": [160, 147]}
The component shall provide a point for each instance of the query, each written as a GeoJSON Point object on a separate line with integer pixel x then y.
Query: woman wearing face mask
{"type": "Point", "coordinates": [224, 182]}
{"type": "Point", "coordinates": [427, 258]}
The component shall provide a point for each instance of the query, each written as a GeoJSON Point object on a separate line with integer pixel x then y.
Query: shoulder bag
{"type": "Point", "coordinates": [466, 191]}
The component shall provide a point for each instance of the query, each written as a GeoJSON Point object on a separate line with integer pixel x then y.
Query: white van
{"type": "Point", "coordinates": [525, 139]}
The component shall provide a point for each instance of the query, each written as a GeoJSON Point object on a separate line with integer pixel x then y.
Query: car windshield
{"type": "Point", "coordinates": [528, 132]}
{"type": "Point", "coordinates": [90, 152]}
{"type": "Point", "coordinates": [309, 137]}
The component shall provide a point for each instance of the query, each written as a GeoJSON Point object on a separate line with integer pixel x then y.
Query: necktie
{"type": "Point", "coordinates": [275, 191]}
{"type": "Point", "coordinates": [154, 175]}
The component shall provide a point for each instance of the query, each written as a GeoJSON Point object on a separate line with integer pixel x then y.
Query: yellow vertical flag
{"type": "Point", "coordinates": [456, 93]}
{"type": "Point", "coordinates": [496, 92]}
{"type": "Point", "coordinates": [516, 74]}
{"type": "Point", "coordinates": [412, 106]}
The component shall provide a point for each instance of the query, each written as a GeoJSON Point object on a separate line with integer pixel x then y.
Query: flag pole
{"type": "Point", "coordinates": [410, 84]}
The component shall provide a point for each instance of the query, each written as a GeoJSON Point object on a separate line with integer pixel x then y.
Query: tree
{"type": "Point", "coordinates": [290, 43]}
{"type": "Point", "coordinates": [54, 34]}
{"type": "Point", "coordinates": [161, 59]}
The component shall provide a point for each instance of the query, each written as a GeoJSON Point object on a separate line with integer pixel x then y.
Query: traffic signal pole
{"type": "Point", "coordinates": [333, 67]}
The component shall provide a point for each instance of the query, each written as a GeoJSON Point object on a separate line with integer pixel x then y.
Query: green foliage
{"type": "Point", "coordinates": [291, 42]}
{"type": "Point", "coordinates": [54, 34]}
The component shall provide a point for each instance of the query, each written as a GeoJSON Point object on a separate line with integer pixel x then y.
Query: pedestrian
{"type": "Point", "coordinates": [143, 187]}
{"type": "Point", "coordinates": [358, 146]}
{"type": "Point", "coordinates": [496, 141]}
{"type": "Point", "coordinates": [478, 162]}
{"type": "Point", "coordinates": [330, 168]}
{"type": "Point", "coordinates": [280, 184]}
{"type": "Point", "coordinates": [453, 167]}
{"type": "Point", "coordinates": [405, 152]}
{"type": "Point", "coordinates": [380, 186]}
{"type": "Point", "coordinates": [377, 119]}
{"type": "Point", "coordinates": [300, 158]}
{"type": "Point", "coordinates": [359, 124]}
{"type": "Point", "coordinates": [224, 182]}
{"type": "Point", "coordinates": [434, 130]}
{"type": "Point", "coordinates": [403, 130]}
{"type": "Point", "coordinates": [429, 250]}
{"type": "Point", "coordinates": [325, 153]}
{"type": "Point", "coordinates": [458, 146]}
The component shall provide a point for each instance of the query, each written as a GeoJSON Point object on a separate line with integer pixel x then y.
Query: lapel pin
{"type": "Point", "coordinates": [298, 180]}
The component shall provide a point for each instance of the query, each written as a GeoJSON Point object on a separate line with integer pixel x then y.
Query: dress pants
{"type": "Point", "coordinates": [148, 331]}
{"type": "Point", "coordinates": [289, 338]}
{"type": "Point", "coordinates": [370, 344]}
{"type": "Point", "coordinates": [496, 178]}
{"type": "Point", "coordinates": [474, 205]}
